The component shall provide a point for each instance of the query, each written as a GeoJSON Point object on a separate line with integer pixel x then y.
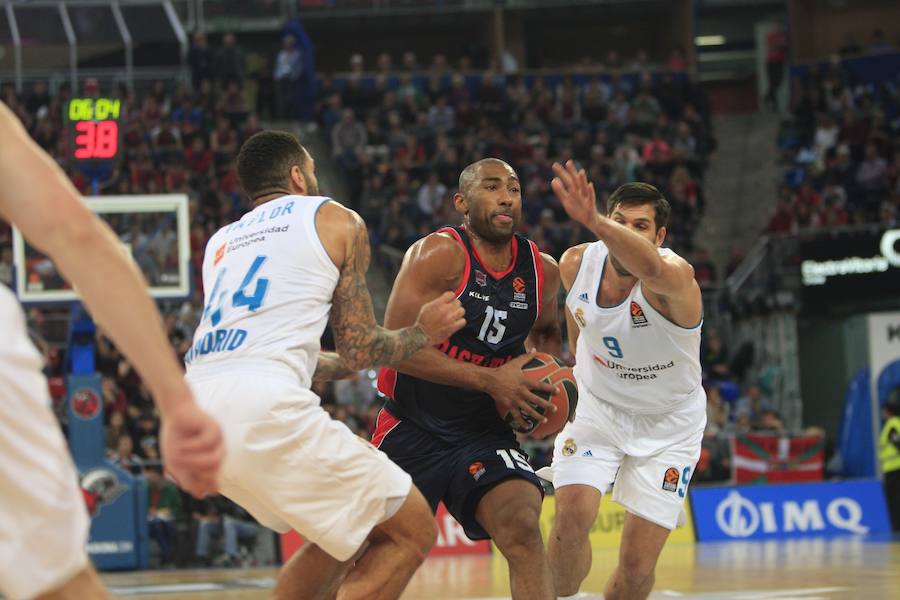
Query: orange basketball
{"type": "Point", "coordinates": [549, 369]}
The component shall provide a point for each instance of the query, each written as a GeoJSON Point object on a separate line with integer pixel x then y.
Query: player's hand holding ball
{"type": "Point", "coordinates": [442, 317]}
{"type": "Point", "coordinates": [535, 394]}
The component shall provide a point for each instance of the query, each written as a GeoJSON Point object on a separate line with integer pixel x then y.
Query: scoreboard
{"type": "Point", "coordinates": [94, 129]}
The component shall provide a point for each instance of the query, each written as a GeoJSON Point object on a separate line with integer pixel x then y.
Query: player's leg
{"type": "Point", "coordinates": [510, 513]}
{"type": "Point", "coordinates": [86, 585]}
{"type": "Point", "coordinates": [396, 548]}
{"type": "Point", "coordinates": [652, 489]}
{"type": "Point", "coordinates": [310, 573]}
{"type": "Point", "coordinates": [40, 487]}
{"type": "Point", "coordinates": [569, 546]}
{"type": "Point", "coordinates": [634, 576]}
{"type": "Point", "coordinates": [585, 461]}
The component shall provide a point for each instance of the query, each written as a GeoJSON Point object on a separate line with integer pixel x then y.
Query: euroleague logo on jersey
{"type": "Point", "coordinates": [85, 404]}
{"type": "Point", "coordinates": [637, 316]}
{"type": "Point", "coordinates": [518, 285]}
{"type": "Point", "coordinates": [220, 254]}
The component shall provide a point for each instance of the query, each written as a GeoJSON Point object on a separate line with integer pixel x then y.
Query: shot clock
{"type": "Point", "coordinates": [94, 130]}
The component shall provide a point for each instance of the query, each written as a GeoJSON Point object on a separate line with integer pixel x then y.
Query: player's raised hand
{"type": "Point", "coordinates": [192, 448]}
{"type": "Point", "coordinates": [575, 192]}
{"type": "Point", "coordinates": [512, 391]}
{"type": "Point", "coordinates": [442, 317]}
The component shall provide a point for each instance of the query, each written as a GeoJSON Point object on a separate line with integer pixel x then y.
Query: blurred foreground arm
{"type": "Point", "coordinates": [37, 198]}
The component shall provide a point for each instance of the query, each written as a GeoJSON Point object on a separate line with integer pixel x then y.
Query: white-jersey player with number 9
{"type": "Point", "coordinates": [272, 280]}
{"type": "Point", "coordinates": [633, 314]}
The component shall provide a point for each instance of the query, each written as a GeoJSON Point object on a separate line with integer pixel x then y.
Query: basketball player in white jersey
{"type": "Point", "coordinates": [272, 280]}
{"type": "Point", "coordinates": [39, 495]}
{"type": "Point", "coordinates": [633, 313]}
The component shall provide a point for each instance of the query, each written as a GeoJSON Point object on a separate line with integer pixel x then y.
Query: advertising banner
{"type": "Point", "coordinates": [606, 531]}
{"type": "Point", "coordinates": [788, 511]}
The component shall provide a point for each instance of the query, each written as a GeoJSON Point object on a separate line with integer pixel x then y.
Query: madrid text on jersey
{"type": "Point", "coordinates": [647, 372]}
{"type": "Point", "coordinates": [217, 340]}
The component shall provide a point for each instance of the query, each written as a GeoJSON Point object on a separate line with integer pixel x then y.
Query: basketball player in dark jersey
{"type": "Point", "coordinates": [440, 422]}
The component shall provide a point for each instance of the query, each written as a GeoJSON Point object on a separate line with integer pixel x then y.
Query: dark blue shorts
{"type": "Point", "coordinates": [458, 475]}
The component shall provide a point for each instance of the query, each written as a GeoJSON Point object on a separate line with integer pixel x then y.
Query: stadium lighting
{"type": "Point", "coordinates": [709, 40]}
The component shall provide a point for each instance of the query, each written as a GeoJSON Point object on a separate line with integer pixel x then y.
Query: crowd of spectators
{"type": "Point", "coordinates": [842, 147]}
{"type": "Point", "coordinates": [402, 137]}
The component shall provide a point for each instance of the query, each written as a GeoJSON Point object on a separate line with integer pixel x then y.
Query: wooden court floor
{"type": "Point", "coordinates": [812, 569]}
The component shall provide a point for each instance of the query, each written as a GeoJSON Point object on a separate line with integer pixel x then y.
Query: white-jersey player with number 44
{"type": "Point", "coordinates": [273, 279]}
{"type": "Point", "coordinates": [633, 313]}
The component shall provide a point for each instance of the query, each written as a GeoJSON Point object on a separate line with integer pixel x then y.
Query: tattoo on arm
{"type": "Point", "coordinates": [331, 367]}
{"type": "Point", "coordinates": [360, 341]}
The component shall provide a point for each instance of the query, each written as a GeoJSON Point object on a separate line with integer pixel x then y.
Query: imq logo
{"type": "Point", "coordinates": [739, 517]}
{"type": "Point", "coordinates": [817, 272]}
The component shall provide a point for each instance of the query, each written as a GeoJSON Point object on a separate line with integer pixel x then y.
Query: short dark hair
{"type": "Point", "coordinates": [637, 194]}
{"type": "Point", "coordinates": [467, 177]}
{"type": "Point", "coordinates": [265, 160]}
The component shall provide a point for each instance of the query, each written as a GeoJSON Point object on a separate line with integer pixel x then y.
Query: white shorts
{"type": "Point", "coordinates": [291, 465]}
{"type": "Point", "coordinates": [649, 457]}
{"type": "Point", "coordinates": [43, 519]}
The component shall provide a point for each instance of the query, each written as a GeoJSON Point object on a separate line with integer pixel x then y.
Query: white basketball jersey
{"type": "Point", "coordinates": [17, 351]}
{"type": "Point", "coordinates": [268, 284]}
{"type": "Point", "coordinates": [630, 355]}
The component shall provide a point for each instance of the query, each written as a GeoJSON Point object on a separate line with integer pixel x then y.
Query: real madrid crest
{"type": "Point", "coordinates": [579, 316]}
{"type": "Point", "coordinates": [569, 447]}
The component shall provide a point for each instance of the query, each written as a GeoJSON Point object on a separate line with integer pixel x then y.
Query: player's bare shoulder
{"type": "Point", "coordinates": [570, 262]}
{"type": "Point", "coordinates": [437, 257]}
{"type": "Point", "coordinates": [341, 230]}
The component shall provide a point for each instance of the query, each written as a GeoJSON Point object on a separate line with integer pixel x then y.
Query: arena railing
{"type": "Point", "coordinates": [52, 37]}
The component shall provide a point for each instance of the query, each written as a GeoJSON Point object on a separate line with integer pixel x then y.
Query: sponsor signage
{"type": "Point", "coordinates": [850, 265]}
{"type": "Point", "coordinates": [606, 532]}
{"type": "Point", "coordinates": [788, 511]}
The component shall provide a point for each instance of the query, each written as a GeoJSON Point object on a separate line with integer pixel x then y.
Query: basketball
{"type": "Point", "coordinates": [548, 369]}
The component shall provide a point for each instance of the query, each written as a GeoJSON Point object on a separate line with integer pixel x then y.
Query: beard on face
{"type": "Point", "coordinates": [482, 224]}
{"type": "Point", "coordinates": [312, 188]}
{"type": "Point", "coordinates": [619, 267]}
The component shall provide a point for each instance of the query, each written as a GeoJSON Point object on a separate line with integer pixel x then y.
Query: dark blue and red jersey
{"type": "Point", "coordinates": [500, 310]}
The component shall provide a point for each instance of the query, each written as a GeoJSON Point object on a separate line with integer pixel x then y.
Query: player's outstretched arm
{"type": "Point", "coordinates": [433, 266]}
{"type": "Point", "coordinates": [36, 196]}
{"type": "Point", "coordinates": [360, 341]}
{"type": "Point", "coordinates": [667, 276]}
{"type": "Point", "coordinates": [546, 335]}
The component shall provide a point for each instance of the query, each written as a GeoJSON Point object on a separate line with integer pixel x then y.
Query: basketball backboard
{"type": "Point", "coordinates": [153, 230]}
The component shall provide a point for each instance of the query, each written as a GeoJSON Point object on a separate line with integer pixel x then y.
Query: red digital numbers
{"type": "Point", "coordinates": [96, 140]}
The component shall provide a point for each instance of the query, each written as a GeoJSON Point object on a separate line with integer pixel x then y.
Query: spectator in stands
{"type": "Point", "coordinates": [124, 455]}
{"type": "Point", "coordinates": [704, 269]}
{"type": "Point", "coordinates": [714, 357]}
{"type": "Point", "coordinates": [776, 52]}
{"type": "Point", "coordinates": [769, 422]}
{"type": "Point", "coordinates": [163, 511]}
{"type": "Point", "coordinates": [348, 140]}
{"type": "Point", "coordinates": [287, 72]}
{"type": "Point", "coordinates": [229, 62]}
{"type": "Point", "coordinates": [200, 58]}
{"type": "Point", "coordinates": [219, 516]}
{"type": "Point", "coordinates": [752, 402]}
{"type": "Point", "coordinates": [115, 429]}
